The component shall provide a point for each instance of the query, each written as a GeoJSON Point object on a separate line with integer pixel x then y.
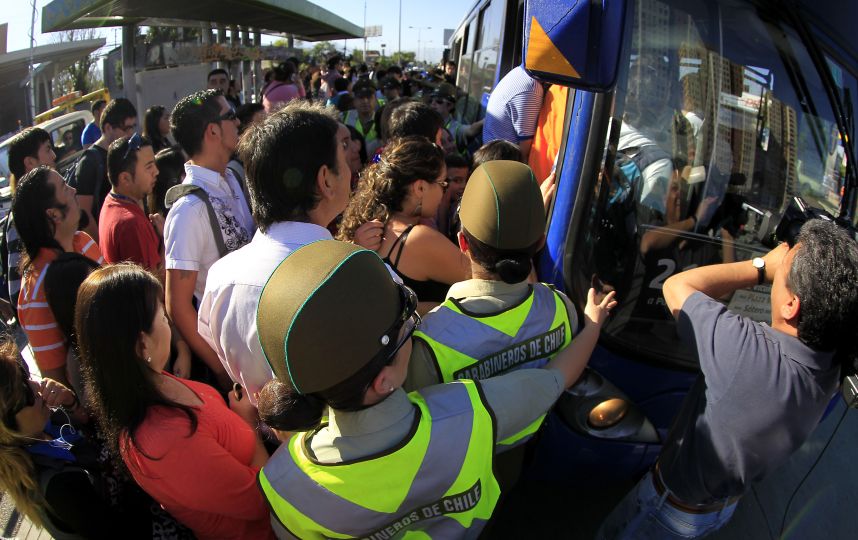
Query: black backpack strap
{"type": "Point", "coordinates": [177, 192]}
{"type": "Point", "coordinates": [100, 175]}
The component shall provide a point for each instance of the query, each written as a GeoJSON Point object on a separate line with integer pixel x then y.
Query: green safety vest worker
{"type": "Point", "coordinates": [369, 133]}
{"type": "Point", "coordinates": [478, 346]}
{"type": "Point", "coordinates": [438, 483]}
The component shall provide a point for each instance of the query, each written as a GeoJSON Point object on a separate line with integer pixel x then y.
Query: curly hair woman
{"type": "Point", "coordinates": [403, 190]}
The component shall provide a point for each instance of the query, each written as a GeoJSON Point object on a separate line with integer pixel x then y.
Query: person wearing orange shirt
{"type": "Point", "coordinates": [47, 215]}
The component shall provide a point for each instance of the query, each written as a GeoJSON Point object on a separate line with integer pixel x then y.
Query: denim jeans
{"type": "Point", "coordinates": [644, 514]}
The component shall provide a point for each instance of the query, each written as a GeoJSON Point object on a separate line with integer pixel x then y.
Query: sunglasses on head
{"type": "Point", "coordinates": [134, 144]}
{"type": "Point", "coordinates": [228, 115]}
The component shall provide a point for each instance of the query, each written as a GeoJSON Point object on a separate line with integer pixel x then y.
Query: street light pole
{"type": "Point", "coordinates": [419, 29]}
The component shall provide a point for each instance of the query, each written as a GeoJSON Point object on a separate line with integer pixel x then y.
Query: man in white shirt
{"type": "Point", "coordinates": [206, 127]}
{"type": "Point", "coordinates": [299, 181]}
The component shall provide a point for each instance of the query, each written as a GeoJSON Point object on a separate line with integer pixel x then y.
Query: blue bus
{"type": "Point", "coordinates": [689, 127]}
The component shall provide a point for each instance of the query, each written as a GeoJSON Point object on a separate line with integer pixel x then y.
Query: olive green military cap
{"type": "Point", "coordinates": [502, 205]}
{"type": "Point", "coordinates": [323, 313]}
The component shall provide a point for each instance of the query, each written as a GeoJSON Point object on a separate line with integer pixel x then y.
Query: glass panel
{"type": "Point", "coordinates": [492, 24]}
{"type": "Point", "coordinates": [720, 121]}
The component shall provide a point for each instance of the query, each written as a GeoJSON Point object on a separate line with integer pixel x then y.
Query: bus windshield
{"type": "Point", "coordinates": [719, 119]}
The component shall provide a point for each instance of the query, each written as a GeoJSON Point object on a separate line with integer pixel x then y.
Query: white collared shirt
{"type": "Point", "coordinates": [188, 240]}
{"type": "Point", "coordinates": [227, 314]}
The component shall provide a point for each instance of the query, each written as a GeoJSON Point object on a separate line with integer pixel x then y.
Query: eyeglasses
{"type": "Point", "coordinates": [440, 101]}
{"type": "Point", "coordinates": [29, 400]}
{"type": "Point", "coordinates": [408, 320]}
{"type": "Point", "coordinates": [228, 115]}
{"type": "Point", "coordinates": [134, 144]}
{"type": "Point", "coordinates": [128, 128]}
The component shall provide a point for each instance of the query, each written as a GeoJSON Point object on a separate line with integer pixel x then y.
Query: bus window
{"type": "Point", "coordinates": [719, 119]}
{"type": "Point", "coordinates": [486, 56]}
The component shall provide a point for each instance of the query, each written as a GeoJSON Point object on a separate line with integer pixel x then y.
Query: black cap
{"type": "Point", "coordinates": [363, 88]}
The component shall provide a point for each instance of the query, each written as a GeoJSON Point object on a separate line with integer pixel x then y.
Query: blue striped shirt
{"type": "Point", "coordinates": [513, 108]}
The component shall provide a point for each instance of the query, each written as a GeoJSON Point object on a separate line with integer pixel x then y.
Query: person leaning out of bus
{"type": "Point", "coordinates": [336, 330]}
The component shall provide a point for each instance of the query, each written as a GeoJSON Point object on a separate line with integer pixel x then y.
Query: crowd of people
{"type": "Point", "coordinates": [313, 315]}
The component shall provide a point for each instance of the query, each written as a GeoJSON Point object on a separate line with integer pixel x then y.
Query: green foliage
{"type": "Point", "coordinates": [82, 75]}
{"type": "Point", "coordinates": [168, 34]}
{"type": "Point", "coordinates": [401, 59]}
{"type": "Point", "coordinates": [322, 50]}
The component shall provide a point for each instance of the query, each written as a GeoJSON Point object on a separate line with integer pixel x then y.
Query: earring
{"type": "Point", "coordinates": [390, 389]}
{"type": "Point", "coordinates": [148, 359]}
{"type": "Point", "coordinates": [418, 211]}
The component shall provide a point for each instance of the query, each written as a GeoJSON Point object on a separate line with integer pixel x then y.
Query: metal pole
{"type": "Point", "coordinates": [364, 30]}
{"type": "Point", "coordinates": [32, 83]}
{"type": "Point", "coordinates": [257, 66]}
{"type": "Point", "coordinates": [129, 69]}
{"type": "Point", "coordinates": [399, 44]}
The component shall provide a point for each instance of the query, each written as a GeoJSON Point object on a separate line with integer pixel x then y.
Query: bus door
{"type": "Point", "coordinates": [716, 119]}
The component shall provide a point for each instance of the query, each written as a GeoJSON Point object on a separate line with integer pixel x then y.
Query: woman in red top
{"type": "Point", "coordinates": [179, 440]}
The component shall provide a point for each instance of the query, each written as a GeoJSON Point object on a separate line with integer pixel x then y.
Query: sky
{"type": "Point", "coordinates": [437, 14]}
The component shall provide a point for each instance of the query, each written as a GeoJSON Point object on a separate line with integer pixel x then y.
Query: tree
{"type": "Point", "coordinates": [357, 56]}
{"type": "Point", "coordinates": [167, 34]}
{"type": "Point", "coordinates": [82, 75]}
{"type": "Point", "coordinates": [322, 51]}
{"type": "Point", "coordinates": [401, 59]}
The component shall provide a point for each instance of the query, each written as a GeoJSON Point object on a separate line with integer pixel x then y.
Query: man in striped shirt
{"type": "Point", "coordinates": [47, 215]}
{"type": "Point", "coordinates": [513, 110]}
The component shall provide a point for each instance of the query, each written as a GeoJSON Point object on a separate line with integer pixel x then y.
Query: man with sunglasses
{"type": "Point", "coordinates": [126, 232]}
{"type": "Point", "coordinates": [206, 127]}
{"type": "Point", "coordinates": [89, 177]}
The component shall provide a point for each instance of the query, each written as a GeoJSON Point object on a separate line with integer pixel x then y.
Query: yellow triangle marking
{"type": "Point", "coordinates": [543, 55]}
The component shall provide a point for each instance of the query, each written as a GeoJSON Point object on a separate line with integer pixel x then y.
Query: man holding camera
{"type": "Point", "coordinates": [763, 388]}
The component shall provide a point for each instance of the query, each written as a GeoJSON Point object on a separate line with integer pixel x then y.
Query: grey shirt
{"type": "Point", "coordinates": [761, 394]}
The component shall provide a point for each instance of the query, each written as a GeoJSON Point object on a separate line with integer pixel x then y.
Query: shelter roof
{"type": "Point", "coordinates": [14, 66]}
{"type": "Point", "coordinates": [305, 20]}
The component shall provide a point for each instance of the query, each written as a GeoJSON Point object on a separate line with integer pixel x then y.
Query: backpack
{"type": "Point", "coordinates": [177, 192]}
{"type": "Point", "coordinates": [100, 170]}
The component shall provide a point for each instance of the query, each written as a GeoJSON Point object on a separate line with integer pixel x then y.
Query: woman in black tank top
{"type": "Point", "coordinates": [403, 190]}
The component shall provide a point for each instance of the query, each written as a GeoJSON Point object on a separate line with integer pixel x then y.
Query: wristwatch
{"type": "Point", "coordinates": [760, 264]}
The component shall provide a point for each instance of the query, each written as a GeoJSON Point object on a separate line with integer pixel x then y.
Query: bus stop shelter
{"type": "Point", "coordinates": [299, 18]}
{"type": "Point", "coordinates": [15, 74]}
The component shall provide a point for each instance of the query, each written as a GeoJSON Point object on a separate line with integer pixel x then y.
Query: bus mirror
{"type": "Point", "coordinates": [576, 46]}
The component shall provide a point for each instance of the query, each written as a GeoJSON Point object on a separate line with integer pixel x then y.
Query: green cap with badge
{"type": "Point", "coordinates": [324, 314]}
{"type": "Point", "coordinates": [502, 206]}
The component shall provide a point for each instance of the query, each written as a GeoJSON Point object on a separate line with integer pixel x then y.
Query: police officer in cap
{"type": "Point", "coordinates": [336, 330]}
{"type": "Point", "coordinates": [497, 321]}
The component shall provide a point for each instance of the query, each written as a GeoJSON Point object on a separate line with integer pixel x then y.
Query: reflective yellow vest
{"type": "Point", "coordinates": [469, 345]}
{"type": "Point", "coordinates": [350, 118]}
{"type": "Point", "coordinates": [437, 484]}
